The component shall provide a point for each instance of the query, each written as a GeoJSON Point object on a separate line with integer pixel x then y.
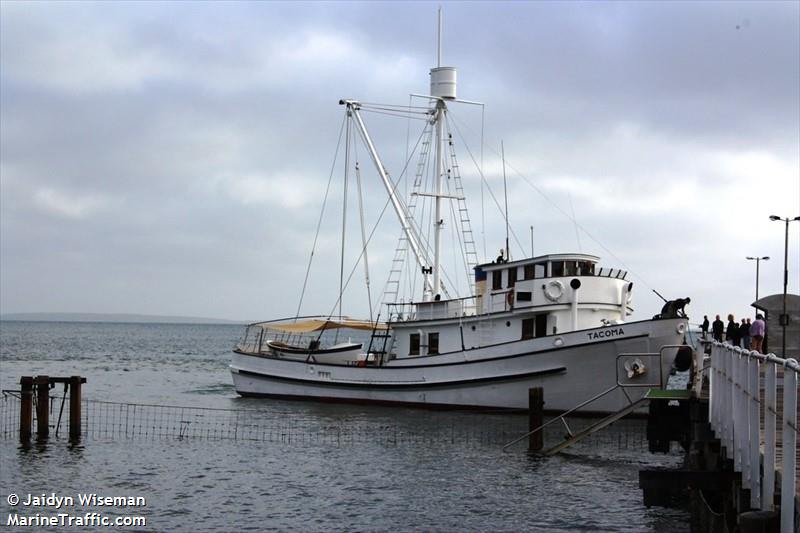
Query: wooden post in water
{"type": "Point", "coordinates": [26, 408]}
{"type": "Point", "coordinates": [75, 407]}
{"type": "Point", "coordinates": [42, 384]}
{"type": "Point", "coordinates": [535, 408]}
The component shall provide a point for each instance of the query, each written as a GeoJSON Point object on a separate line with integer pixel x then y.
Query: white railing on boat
{"type": "Point", "coordinates": [311, 332]}
{"type": "Point", "coordinates": [737, 418]}
{"type": "Point", "coordinates": [611, 273]}
{"type": "Point", "coordinates": [256, 338]}
{"type": "Point", "coordinates": [436, 309]}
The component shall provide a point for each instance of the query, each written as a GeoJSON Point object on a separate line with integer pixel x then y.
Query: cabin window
{"type": "Point", "coordinates": [571, 268]}
{"type": "Point", "coordinates": [585, 268]}
{"type": "Point", "coordinates": [535, 327]}
{"type": "Point", "coordinates": [557, 268]}
{"type": "Point", "coordinates": [413, 344]}
{"type": "Point", "coordinates": [433, 343]}
{"type": "Point", "coordinates": [527, 328]}
{"type": "Point", "coordinates": [536, 271]}
{"type": "Point", "coordinates": [512, 277]}
{"type": "Point", "coordinates": [497, 280]}
{"type": "Point", "coordinates": [527, 272]}
{"type": "Point", "coordinates": [541, 325]}
{"type": "Point", "coordinates": [523, 296]}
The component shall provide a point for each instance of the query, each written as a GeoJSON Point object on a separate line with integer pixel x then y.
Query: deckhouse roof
{"type": "Point", "coordinates": [540, 259]}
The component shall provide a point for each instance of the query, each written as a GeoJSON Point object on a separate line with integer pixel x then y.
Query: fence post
{"type": "Point", "coordinates": [743, 430]}
{"type": "Point", "coordinates": [737, 408]}
{"type": "Point", "coordinates": [715, 389]}
{"type": "Point", "coordinates": [789, 445]}
{"type": "Point", "coordinates": [724, 382]}
{"type": "Point", "coordinates": [535, 407]}
{"type": "Point", "coordinates": [730, 399]}
{"type": "Point", "coordinates": [744, 412]}
{"type": "Point", "coordinates": [770, 410]}
{"type": "Point", "coordinates": [42, 384]}
{"type": "Point", "coordinates": [75, 408]}
{"type": "Point", "coordinates": [755, 435]}
{"type": "Point", "coordinates": [727, 400]}
{"type": "Point", "coordinates": [25, 408]}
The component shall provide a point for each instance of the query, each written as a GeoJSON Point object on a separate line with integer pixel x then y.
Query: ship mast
{"type": "Point", "coordinates": [443, 87]}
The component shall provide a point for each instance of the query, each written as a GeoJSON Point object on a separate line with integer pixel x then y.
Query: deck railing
{"type": "Point", "coordinates": [737, 417]}
{"type": "Point", "coordinates": [256, 337]}
{"type": "Point", "coordinates": [433, 310]}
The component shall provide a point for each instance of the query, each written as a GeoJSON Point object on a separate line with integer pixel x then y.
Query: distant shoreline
{"type": "Point", "coordinates": [118, 318]}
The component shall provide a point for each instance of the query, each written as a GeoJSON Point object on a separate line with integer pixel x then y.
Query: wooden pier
{"type": "Point", "coordinates": [741, 439]}
{"type": "Point", "coordinates": [36, 391]}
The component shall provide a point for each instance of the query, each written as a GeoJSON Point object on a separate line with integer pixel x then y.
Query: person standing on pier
{"type": "Point", "coordinates": [704, 326]}
{"type": "Point", "coordinates": [732, 332]}
{"type": "Point", "coordinates": [718, 328]}
{"type": "Point", "coordinates": [744, 333]}
{"type": "Point", "coordinates": [757, 329]}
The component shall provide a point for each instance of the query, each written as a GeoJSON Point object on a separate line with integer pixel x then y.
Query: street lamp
{"type": "Point", "coordinates": [784, 321]}
{"type": "Point", "coordinates": [757, 260]}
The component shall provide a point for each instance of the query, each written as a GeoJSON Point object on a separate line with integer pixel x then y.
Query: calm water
{"type": "Point", "coordinates": [439, 482]}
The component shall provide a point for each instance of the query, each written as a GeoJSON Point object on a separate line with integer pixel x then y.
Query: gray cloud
{"type": "Point", "coordinates": [171, 158]}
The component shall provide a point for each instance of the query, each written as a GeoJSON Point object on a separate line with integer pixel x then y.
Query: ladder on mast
{"type": "Point", "coordinates": [392, 287]}
{"type": "Point", "coordinates": [470, 253]}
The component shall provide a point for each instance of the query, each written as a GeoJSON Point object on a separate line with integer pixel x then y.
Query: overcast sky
{"type": "Point", "coordinates": [172, 158]}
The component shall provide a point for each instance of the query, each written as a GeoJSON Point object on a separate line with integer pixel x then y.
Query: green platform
{"type": "Point", "coordinates": [668, 394]}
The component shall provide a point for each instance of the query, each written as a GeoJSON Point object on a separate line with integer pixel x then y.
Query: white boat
{"type": "Point", "coordinates": [556, 321]}
{"type": "Point", "coordinates": [342, 353]}
{"type": "Point", "coordinates": [302, 340]}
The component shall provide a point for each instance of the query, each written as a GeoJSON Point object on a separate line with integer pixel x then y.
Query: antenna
{"type": "Point", "coordinates": [505, 193]}
{"type": "Point", "coordinates": [439, 41]}
{"type": "Point", "coordinates": [532, 254]}
{"type": "Point", "coordinates": [575, 222]}
{"type": "Point", "coordinates": [443, 79]}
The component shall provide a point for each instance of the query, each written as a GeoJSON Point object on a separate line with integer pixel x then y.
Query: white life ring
{"type": "Point", "coordinates": [554, 290]}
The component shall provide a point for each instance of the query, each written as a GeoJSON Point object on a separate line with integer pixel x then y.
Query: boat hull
{"type": "Point", "coordinates": [571, 368]}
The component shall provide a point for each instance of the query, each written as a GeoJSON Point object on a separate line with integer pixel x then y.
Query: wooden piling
{"type": "Point", "coordinates": [42, 384]}
{"type": "Point", "coordinates": [26, 408]}
{"type": "Point", "coordinates": [535, 419]}
{"type": "Point", "coordinates": [759, 522]}
{"type": "Point", "coordinates": [75, 407]}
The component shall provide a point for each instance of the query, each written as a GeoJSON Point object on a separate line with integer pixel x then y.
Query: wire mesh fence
{"type": "Point", "coordinates": [104, 420]}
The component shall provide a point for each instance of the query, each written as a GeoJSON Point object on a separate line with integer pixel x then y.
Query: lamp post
{"type": "Point", "coordinates": [784, 321]}
{"type": "Point", "coordinates": [758, 261]}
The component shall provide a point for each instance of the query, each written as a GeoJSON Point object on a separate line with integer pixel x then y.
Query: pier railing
{"type": "Point", "coordinates": [743, 421]}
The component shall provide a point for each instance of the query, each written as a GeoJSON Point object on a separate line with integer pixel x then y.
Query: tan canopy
{"type": "Point", "coordinates": [319, 324]}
